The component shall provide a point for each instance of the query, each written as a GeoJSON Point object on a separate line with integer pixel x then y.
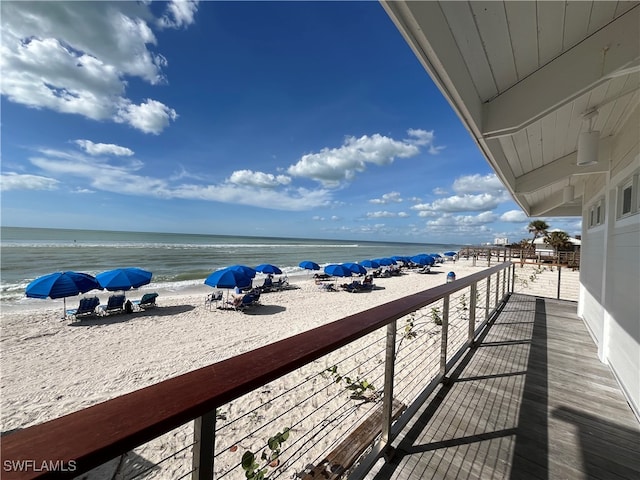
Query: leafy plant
{"type": "Point", "coordinates": [358, 387]}
{"type": "Point", "coordinates": [436, 316]}
{"type": "Point", "coordinates": [409, 329]}
{"type": "Point", "coordinates": [270, 455]}
{"type": "Point", "coordinates": [462, 306]}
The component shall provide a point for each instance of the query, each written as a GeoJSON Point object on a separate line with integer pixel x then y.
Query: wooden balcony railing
{"type": "Point", "coordinates": [77, 443]}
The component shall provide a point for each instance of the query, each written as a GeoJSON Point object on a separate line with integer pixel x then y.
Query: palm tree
{"type": "Point", "coordinates": [558, 240]}
{"type": "Point", "coordinates": [538, 228]}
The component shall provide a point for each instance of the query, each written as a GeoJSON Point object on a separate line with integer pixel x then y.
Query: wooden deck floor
{"type": "Point", "coordinates": [532, 401]}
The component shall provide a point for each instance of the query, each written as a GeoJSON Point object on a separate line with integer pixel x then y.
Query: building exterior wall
{"type": "Point", "coordinates": [610, 269]}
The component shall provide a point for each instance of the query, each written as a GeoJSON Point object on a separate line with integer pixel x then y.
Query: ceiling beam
{"type": "Point", "coordinates": [554, 206]}
{"type": "Point", "coordinates": [591, 62]}
{"type": "Point", "coordinates": [563, 168]}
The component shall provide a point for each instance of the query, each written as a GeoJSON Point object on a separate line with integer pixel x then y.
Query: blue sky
{"type": "Point", "coordinates": [293, 119]}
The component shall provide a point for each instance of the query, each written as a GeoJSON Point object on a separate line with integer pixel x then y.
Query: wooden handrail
{"type": "Point", "coordinates": [90, 437]}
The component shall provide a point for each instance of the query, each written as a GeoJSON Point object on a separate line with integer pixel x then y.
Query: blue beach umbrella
{"type": "Point", "coordinates": [400, 258]}
{"type": "Point", "coordinates": [386, 261]}
{"type": "Point", "coordinates": [309, 265]}
{"type": "Point", "coordinates": [62, 285]}
{"type": "Point", "coordinates": [337, 270]}
{"type": "Point", "coordinates": [228, 278]}
{"type": "Point", "coordinates": [268, 268]}
{"type": "Point", "coordinates": [248, 271]}
{"type": "Point", "coordinates": [450, 254]}
{"type": "Point", "coordinates": [355, 268]}
{"type": "Point", "coordinates": [423, 259]}
{"type": "Point", "coordinates": [124, 278]}
{"type": "Point", "coordinates": [369, 264]}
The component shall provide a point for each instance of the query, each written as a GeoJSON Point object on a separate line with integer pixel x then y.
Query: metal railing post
{"type": "Point", "coordinates": [389, 372]}
{"type": "Point", "coordinates": [504, 282]}
{"type": "Point", "coordinates": [559, 269]}
{"type": "Point", "coordinates": [204, 435]}
{"type": "Point", "coordinates": [444, 336]}
{"type": "Point", "coordinates": [513, 278]}
{"type": "Point", "coordinates": [488, 300]}
{"type": "Point", "coordinates": [472, 312]}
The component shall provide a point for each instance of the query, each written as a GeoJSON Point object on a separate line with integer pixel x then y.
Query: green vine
{"type": "Point", "coordinates": [270, 455]}
{"type": "Point", "coordinates": [436, 316]}
{"type": "Point", "coordinates": [357, 387]}
{"type": "Point", "coordinates": [409, 331]}
{"type": "Point", "coordinates": [462, 306]}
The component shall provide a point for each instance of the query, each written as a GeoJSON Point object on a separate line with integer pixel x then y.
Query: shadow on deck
{"type": "Point", "coordinates": [531, 401]}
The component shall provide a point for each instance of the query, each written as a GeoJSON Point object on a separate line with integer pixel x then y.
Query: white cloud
{"type": "Point", "coordinates": [391, 197]}
{"type": "Point", "coordinates": [381, 214]}
{"type": "Point", "coordinates": [179, 13]}
{"type": "Point", "coordinates": [258, 179]}
{"type": "Point", "coordinates": [439, 191]}
{"type": "Point", "coordinates": [150, 116]}
{"type": "Point", "coordinates": [424, 138]}
{"type": "Point", "coordinates": [96, 173]}
{"type": "Point", "coordinates": [478, 184]}
{"type": "Point", "coordinates": [75, 57]}
{"type": "Point", "coordinates": [515, 216]}
{"type": "Point", "coordinates": [332, 166]}
{"type": "Point", "coordinates": [15, 181]}
{"type": "Point", "coordinates": [103, 148]}
{"type": "Point", "coordinates": [463, 203]}
{"type": "Point", "coordinates": [464, 220]}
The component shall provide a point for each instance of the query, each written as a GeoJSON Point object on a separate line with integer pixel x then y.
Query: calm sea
{"type": "Point", "coordinates": [175, 259]}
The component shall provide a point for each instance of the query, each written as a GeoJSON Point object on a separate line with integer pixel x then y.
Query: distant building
{"type": "Point", "coordinates": [544, 249]}
{"type": "Point", "coordinates": [501, 241]}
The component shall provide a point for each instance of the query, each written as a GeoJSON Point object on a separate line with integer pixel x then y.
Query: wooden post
{"type": "Point", "coordinates": [497, 288]}
{"type": "Point", "coordinates": [389, 371]}
{"type": "Point", "coordinates": [504, 281]}
{"type": "Point", "coordinates": [204, 435]}
{"type": "Point", "coordinates": [559, 268]}
{"type": "Point", "coordinates": [513, 278]}
{"type": "Point", "coordinates": [444, 336]}
{"type": "Point", "coordinates": [472, 311]}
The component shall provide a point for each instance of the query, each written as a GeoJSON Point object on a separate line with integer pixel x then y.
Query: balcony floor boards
{"type": "Point", "coordinates": [531, 401]}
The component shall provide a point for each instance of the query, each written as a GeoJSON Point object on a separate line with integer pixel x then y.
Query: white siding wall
{"type": "Point", "coordinates": [610, 269]}
{"type": "Point", "coordinates": [593, 257]}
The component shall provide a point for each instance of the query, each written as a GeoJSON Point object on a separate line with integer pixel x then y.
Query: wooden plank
{"type": "Point", "coordinates": [533, 402]}
{"type": "Point", "coordinates": [344, 456]}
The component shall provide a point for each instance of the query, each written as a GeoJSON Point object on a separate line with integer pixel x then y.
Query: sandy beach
{"type": "Point", "coordinates": [52, 367]}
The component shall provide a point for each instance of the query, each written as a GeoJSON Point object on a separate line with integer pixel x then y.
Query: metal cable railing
{"type": "Point", "coordinates": [287, 404]}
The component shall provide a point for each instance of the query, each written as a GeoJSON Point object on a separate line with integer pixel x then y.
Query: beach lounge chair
{"type": "Point", "coordinates": [148, 300]}
{"type": "Point", "coordinates": [247, 300]}
{"type": "Point", "coordinates": [213, 298]}
{"type": "Point", "coordinates": [115, 304]}
{"type": "Point", "coordinates": [268, 285]}
{"type": "Point", "coordinates": [86, 308]}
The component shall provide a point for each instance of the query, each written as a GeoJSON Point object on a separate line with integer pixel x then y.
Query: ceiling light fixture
{"type": "Point", "coordinates": [588, 142]}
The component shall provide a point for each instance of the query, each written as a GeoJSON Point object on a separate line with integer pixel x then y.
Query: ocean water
{"type": "Point", "coordinates": [175, 259]}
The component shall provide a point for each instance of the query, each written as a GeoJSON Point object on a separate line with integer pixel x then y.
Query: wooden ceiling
{"type": "Point", "coordinates": [521, 75]}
